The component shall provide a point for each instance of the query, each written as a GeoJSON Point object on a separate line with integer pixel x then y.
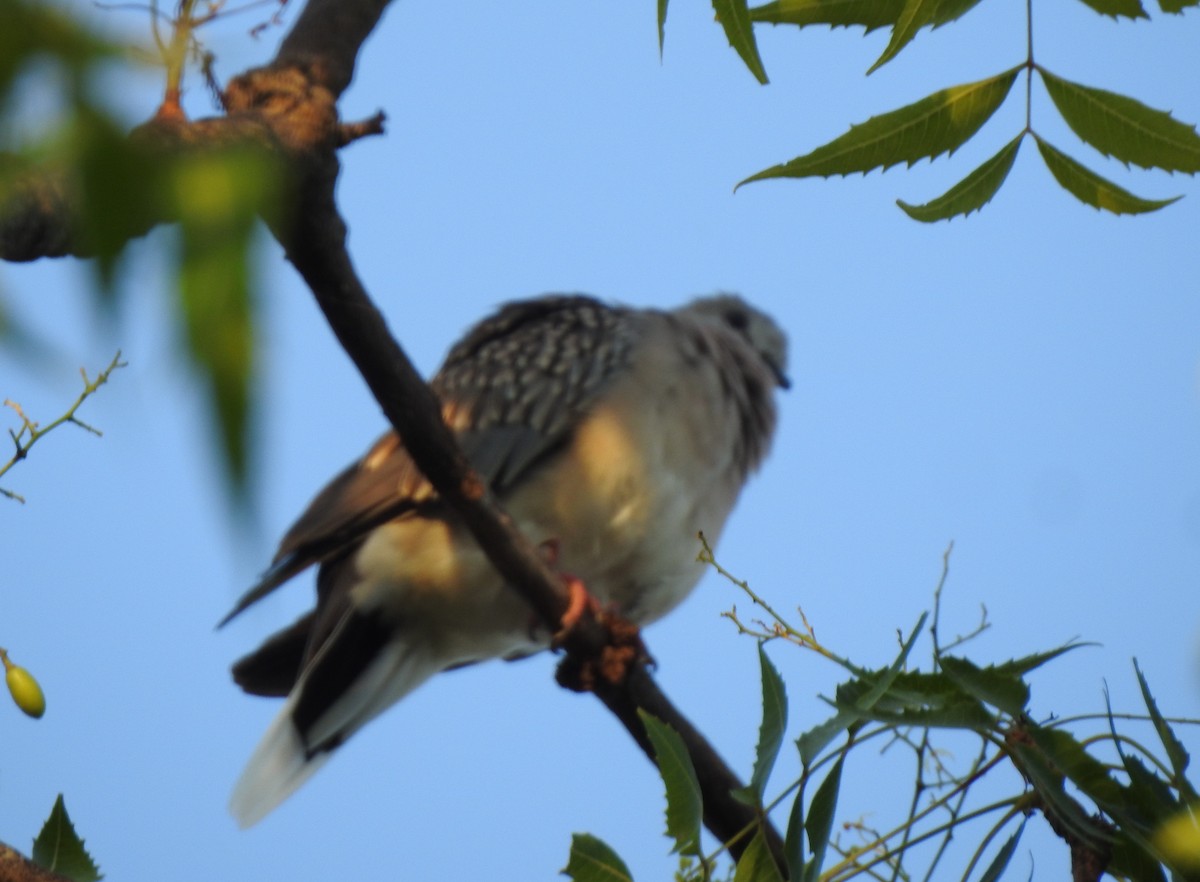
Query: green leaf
{"type": "Point", "coordinates": [218, 198]}
{"type": "Point", "coordinates": [59, 849]}
{"type": "Point", "coordinates": [914, 698]}
{"type": "Point", "coordinates": [793, 839]}
{"type": "Point", "coordinates": [591, 860]}
{"type": "Point", "coordinates": [1118, 8]}
{"type": "Point", "coordinates": [819, 823]}
{"type": "Point", "coordinates": [33, 30]}
{"type": "Point", "coordinates": [770, 732]}
{"type": "Point", "coordinates": [1132, 860]}
{"type": "Point", "coordinates": [662, 25]}
{"type": "Point", "coordinates": [870, 14]}
{"type": "Point", "coordinates": [914, 16]}
{"type": "Point", "coordinates": [1047, 781]}
{"type": "Point", "coordinates": [1123, 128]}
{"type": "Point", "coordinates": [119, 185]}
{"type": "Point", "coordinates": [1176, 753]}
{"type": "Point", "coordinates": [937, 124]}
{"type": "Point", "coordinates": [972, 192]}
{"type": "Point", "coordinates": [1065, 754]}
{"type": "Point", "coordinates": [1088, 187]}
{"type": "Point", "coordinates": [1026, 663]}
{"type": "Point", "coordinates": [1149, 800]}
{"type": "Point", "coordinates": [739, 30]}
{"type": "Point", "coordinates": [998, 688]}
{"type": "Point", "coordinates": [685, 809]}
{"type": "Point", "coordinates": [1175, 7]}
{"type": "Point", "coordinates": [757, 863]}
{"type": "Point", "coordinates": [952, 10]}
{"type": "Point", "coordinates": [1000, 862]}
{"type": "Point", "coordinates": [816, 739]}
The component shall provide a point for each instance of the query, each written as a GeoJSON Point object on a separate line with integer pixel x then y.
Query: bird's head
{"type": "Point", "coordinates": [765, 337]}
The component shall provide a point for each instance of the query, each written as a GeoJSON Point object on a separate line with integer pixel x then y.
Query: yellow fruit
{"type": "Point", "coordinates": [24, 688]}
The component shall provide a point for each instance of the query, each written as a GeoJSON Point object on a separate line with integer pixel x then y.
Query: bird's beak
{"type": "Point", "coordinates": [781, 379]}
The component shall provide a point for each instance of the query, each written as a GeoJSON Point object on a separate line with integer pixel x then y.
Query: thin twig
{"type": "Point", "coordinates": [31, 432]}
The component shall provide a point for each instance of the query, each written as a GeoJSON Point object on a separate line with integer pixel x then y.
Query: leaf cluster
{"type": "Point", "coordinates": [1115, 125]}
{"type": "Point", "coordinates": [1141, 824]}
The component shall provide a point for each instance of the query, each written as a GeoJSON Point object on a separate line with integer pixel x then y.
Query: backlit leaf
{"type": "Point", "coordinates": [662, 25]}
{"type": "Point", "coordinates": [685, 809]}
{"type": "Point", "coordinates": [1123, 128]}
{"type": "Point", "coordinates": [1088, 187]}
{"type": "Point", "coordinates": [1175, 7]}
{"type": "Point", "coordinates": [972, 192]}
{"type": "Point", "coordinates": [1118, 8]}
{"type": "Point", "coordinates": [937, 124]}
{"type": "Point", "coordinates": [592, 860]}
{"type": "Point", "coordinates": [218, 196]}
{"type": "Point", "coordinates": [739, 30]}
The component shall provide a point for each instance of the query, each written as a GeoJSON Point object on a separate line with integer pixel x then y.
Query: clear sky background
{"type": "Point", "coordinates": [1025, 383]}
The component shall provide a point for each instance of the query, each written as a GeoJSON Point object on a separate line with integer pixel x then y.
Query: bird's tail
{"type": "Point", "coordinates": [312, 724]}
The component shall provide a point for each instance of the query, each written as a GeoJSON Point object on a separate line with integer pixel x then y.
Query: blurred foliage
{"type": "Point", "coordinates": [1142, 823]}
{"type": "Point", "coordinates": [126, 185]}
{"type": "Point", "coordinates": [1116, 125]}
{"type": "Point", "coordinates": [59, 849]}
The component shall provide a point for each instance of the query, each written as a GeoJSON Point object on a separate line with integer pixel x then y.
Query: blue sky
{"type": "Point", "coordinates": [1025, 383]}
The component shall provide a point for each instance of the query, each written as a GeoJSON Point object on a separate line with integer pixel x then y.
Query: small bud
{"type": "Point", "coordinates": [23, 687]}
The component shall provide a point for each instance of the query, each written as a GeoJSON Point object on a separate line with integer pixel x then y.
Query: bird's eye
{"type": "Point", "coordinates": [737, 319]}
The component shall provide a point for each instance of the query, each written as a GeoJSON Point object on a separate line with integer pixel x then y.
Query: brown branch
{"type": "Point", "coordinates": [15, 867]}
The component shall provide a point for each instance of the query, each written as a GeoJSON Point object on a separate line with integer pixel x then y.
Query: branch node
{"type": "Point", "coordinates": [348, 133]}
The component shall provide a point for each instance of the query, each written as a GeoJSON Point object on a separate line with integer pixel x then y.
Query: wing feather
{"type": "Point", "coordinates": [512, 389]}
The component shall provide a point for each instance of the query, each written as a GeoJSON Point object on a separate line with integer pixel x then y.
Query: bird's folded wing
{"type": "Point", "coordinates": [512, 390]}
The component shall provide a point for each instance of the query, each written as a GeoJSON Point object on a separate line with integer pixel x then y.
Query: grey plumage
{"type": "Point", "coordinates": [615, 432]}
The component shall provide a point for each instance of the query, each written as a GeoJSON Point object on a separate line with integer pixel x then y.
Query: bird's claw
{"type": "Point", "coordinates": [600, 644]}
